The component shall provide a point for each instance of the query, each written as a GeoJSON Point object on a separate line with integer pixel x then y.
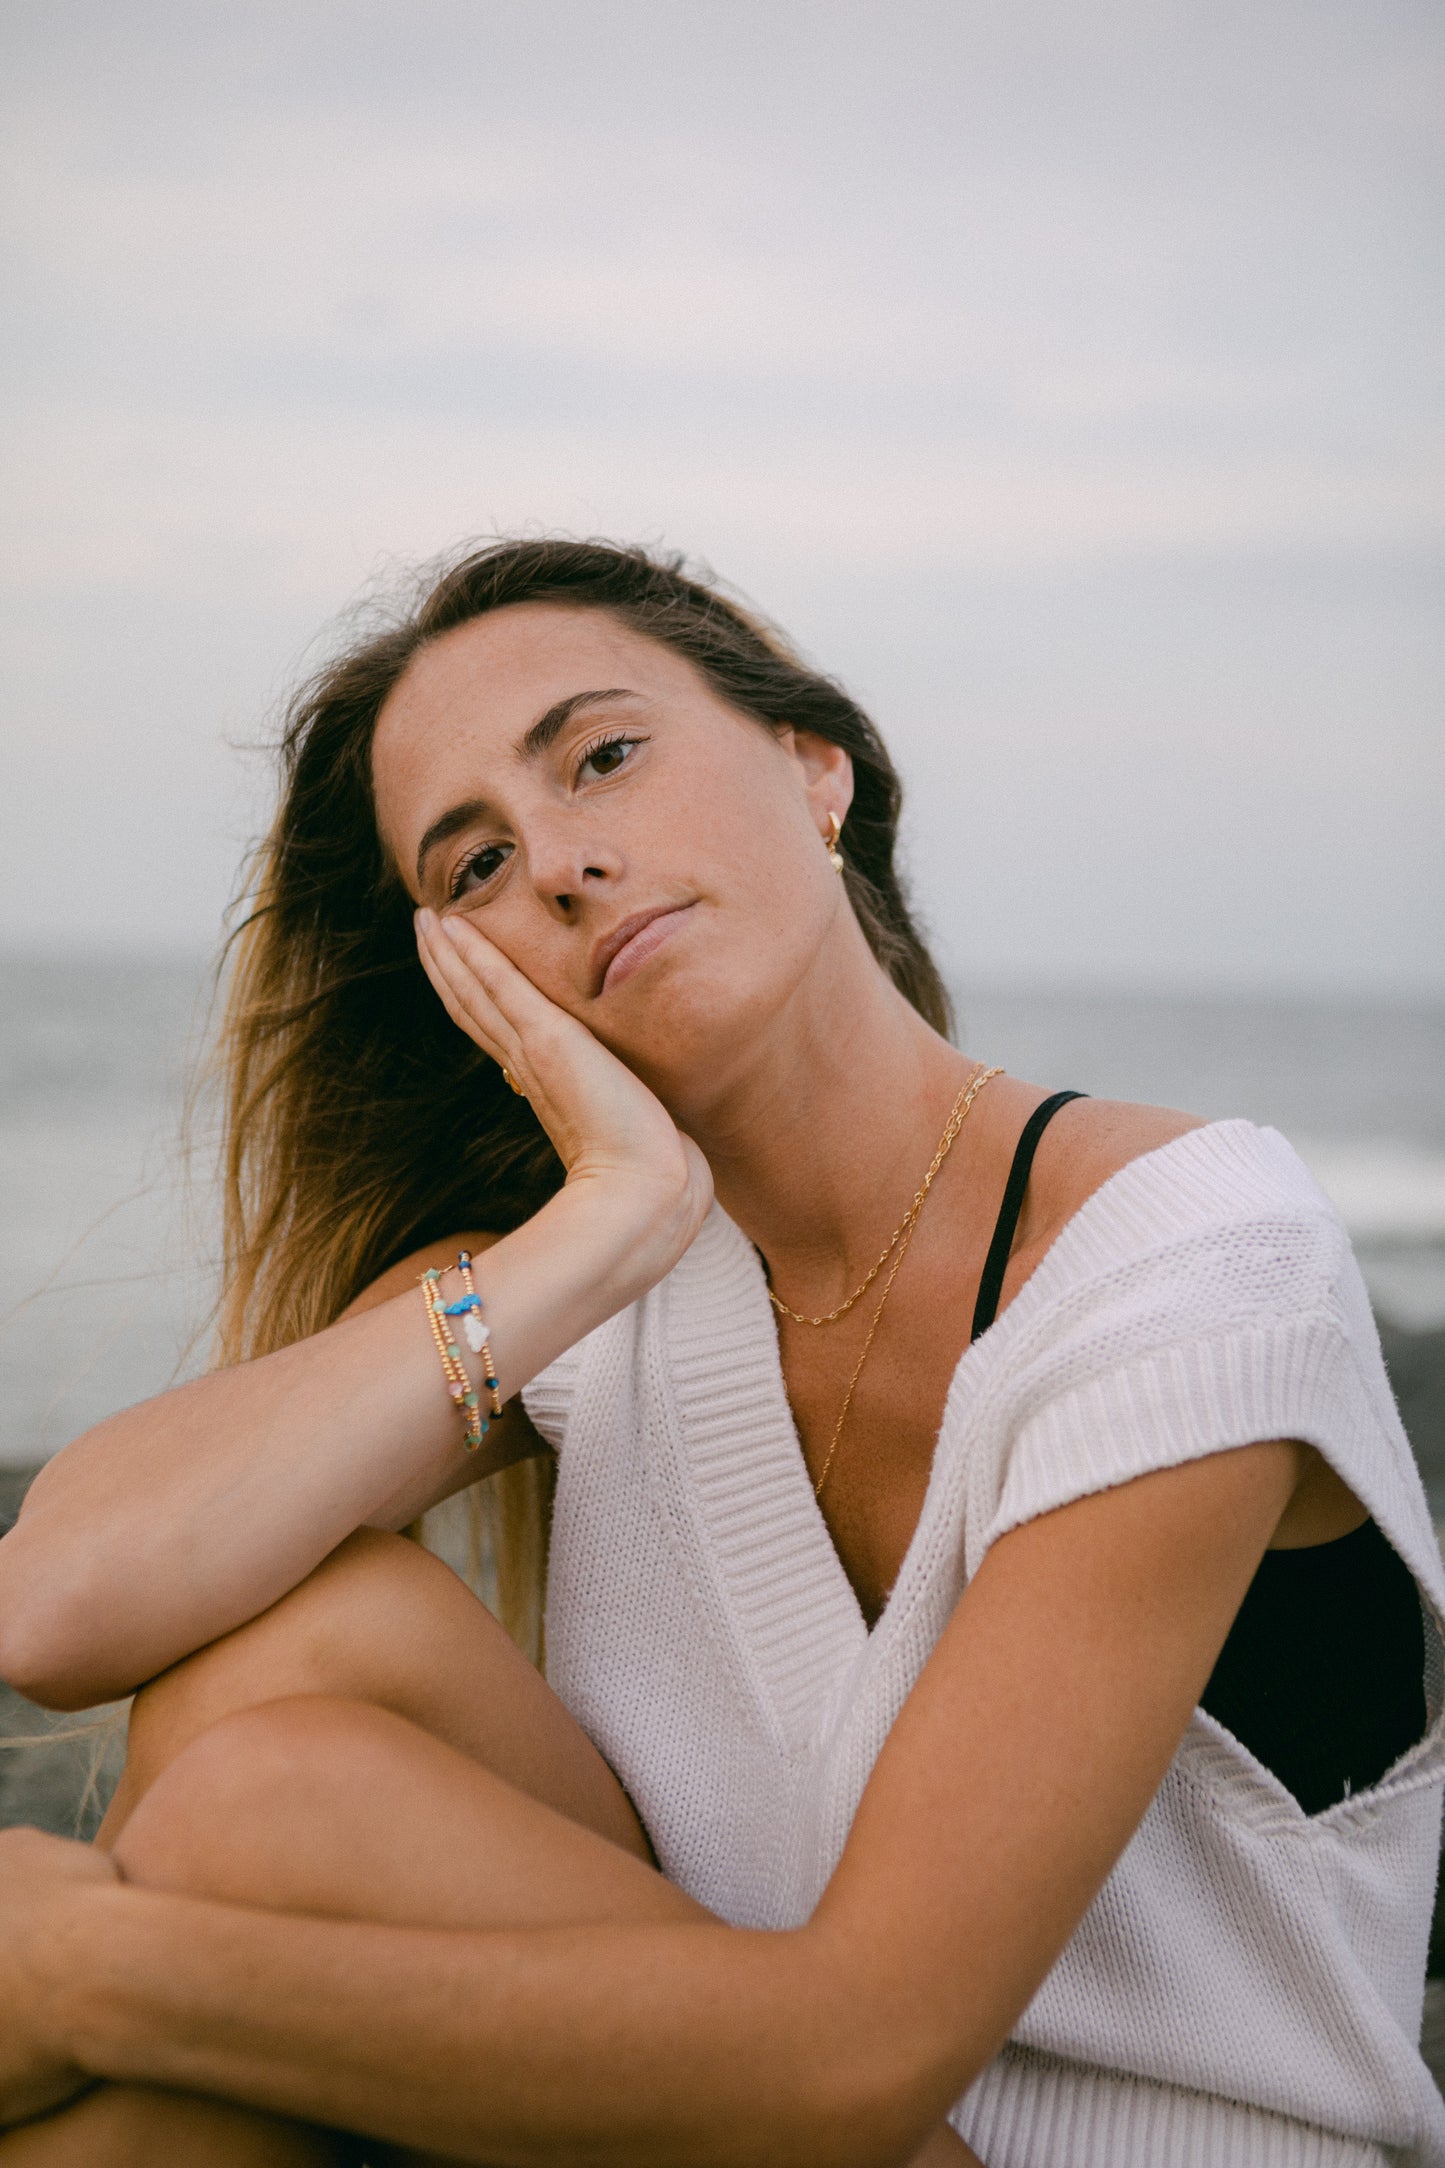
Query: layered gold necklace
{"type": "Point", "coordinates": [897, 1248]}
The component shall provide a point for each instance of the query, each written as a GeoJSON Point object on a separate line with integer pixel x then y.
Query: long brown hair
{"type": "Point", "coordinates": [359, 1123]}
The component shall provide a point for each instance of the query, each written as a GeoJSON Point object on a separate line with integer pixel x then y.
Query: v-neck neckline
{"type": "Point", "coordinates": [800, 1625]}
{"type": "Point", "coordinates": [762, 1324]}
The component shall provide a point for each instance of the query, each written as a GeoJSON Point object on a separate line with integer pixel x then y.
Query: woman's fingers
{"type": "Point", "coordinates": [510, 998]}
{"type": "Point", "coordinates": [467, 973]}
{"type": "Point", "coordinates": [601, 1117]}
{"type": "Point", "coordinates": [583, 1096]}
{"type": "Point", "coordinates": [496, 1004]}
{"type": "Point", "coordinates": [38, 1877]}
{"type": "Point", "coordinates": [462, 991]}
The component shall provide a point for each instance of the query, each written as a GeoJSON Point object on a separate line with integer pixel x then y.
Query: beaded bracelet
{"type": "Point", "coordinates": [474, 1325]}
{"type": "Point", "coordinates": [459, 1384]}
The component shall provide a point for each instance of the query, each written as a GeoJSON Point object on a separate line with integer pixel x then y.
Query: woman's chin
{"type": "Point", "coordinates": [692, 1027]}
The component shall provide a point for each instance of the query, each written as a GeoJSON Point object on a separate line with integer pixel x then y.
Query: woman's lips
{"type": "Point", "coordinates": [635, 951]}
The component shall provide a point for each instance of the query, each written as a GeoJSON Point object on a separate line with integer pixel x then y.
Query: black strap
{"type": "Point", "coordinates": [990, 1287]}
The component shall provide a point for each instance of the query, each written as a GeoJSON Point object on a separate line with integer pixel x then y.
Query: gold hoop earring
{"type": "Point", "coordinates": [835, 856]}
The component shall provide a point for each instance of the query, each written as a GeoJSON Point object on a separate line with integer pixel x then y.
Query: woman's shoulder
{"type": "Point", "coordinates": [1089, 1142]}
{"type": "Point", "coordinates": [1151, 1227]}
{"type": "Point", "coordinates": [1199, 1291]}
{"type": "Point", "coordinates": [1147, 1175]}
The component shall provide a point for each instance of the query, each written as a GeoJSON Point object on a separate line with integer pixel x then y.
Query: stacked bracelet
{"type": "Point", "coordinates": [459, 1384]}
{"type": "Point", "coordinates": [475, 1327]}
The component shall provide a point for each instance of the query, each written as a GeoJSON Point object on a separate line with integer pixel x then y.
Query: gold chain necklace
{"type": "Point", "coordinates": [961, 1105]}
{"type": "Point", "coordinates": [900, 1242]}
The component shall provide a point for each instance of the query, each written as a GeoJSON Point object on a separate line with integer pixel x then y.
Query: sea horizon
{"type": "Point", "coordinates": [106, 1267]}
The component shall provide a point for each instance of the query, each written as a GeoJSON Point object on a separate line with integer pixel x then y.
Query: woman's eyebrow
{"type": "Point", "coordinates": [543, 733]}
{"type": "Point", "coordinates": [444, 827]}
{"type": "Point", "coordinates": [547, 727]}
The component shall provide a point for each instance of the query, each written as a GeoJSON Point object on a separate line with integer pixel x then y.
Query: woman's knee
{"type": "Point", "coordinates": [383, 1621]}
{"type": "Point", "coordinates": [343, 1810]}
{"type": "Point", "coordinates": [347, 1629]}
{"type": "Point", "coordinates": [331, 1633]}
{"type": "Point", "coordinates": [245, 1812]}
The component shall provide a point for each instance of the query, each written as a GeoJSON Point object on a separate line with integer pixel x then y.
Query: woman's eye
{"type": "Point", "coordinates": [606, 758]}
{"type": "Point", "coordinates": [476, 871]}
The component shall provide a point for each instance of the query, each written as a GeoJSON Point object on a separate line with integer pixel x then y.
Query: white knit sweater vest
{"type": "Point", "coordinates": [1246, 1988]}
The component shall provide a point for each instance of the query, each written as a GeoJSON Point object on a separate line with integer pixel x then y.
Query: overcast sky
{"type": "Point", "coordinates": [1066, 378]}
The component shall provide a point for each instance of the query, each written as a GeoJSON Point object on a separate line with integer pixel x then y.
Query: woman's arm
{"type": "Point", "coordinates": [1013, 1778]}
{"type": "Point", "coordinates": [174, 1522]}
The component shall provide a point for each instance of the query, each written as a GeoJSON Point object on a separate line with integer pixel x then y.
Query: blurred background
{"type": "Point", "coordinates": [1067, 380]}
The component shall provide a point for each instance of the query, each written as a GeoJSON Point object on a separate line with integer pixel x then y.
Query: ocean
{"type": "Point", "coordinates": [106, 1251]}
{"type": "Point", "coordinates": [106, 1255]}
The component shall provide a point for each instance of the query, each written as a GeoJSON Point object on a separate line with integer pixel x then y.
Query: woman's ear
{"type": "Point", "coordinates": [826, 772]}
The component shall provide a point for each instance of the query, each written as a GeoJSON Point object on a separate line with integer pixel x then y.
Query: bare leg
{"type": "Point", "coordinates": [383, 1621]}
{"type": "Point", "coordinates": [138, 2126]}
{"type": "Point", "coordinates": [298, 1804]}
{"type": "Point", "coordinates": [449, 1787]}
{"type": "Point", "coordinates": [343, 1810]}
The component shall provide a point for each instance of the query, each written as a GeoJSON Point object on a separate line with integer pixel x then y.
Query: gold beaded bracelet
{"type": "Point", "coordinates": [454, 1370]}
{"type": "Point", "coordinates": [475, 1327]}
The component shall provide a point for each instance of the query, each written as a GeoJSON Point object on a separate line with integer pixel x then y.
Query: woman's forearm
{"type": "Point", "coordinates": [691, 2045]}
{"type": "Point", "coordinates": [178, 1520]}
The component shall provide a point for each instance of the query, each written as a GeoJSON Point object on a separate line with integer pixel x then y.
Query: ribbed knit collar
{"type": "Point", "coordinates": [798, 1619]}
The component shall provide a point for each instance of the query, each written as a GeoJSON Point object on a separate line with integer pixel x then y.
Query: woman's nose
{"type": "Point", "coordinates": [566, 866]}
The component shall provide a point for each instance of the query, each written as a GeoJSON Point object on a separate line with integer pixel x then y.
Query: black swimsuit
{"type": "Point", "coordinates": [1322, 1676]}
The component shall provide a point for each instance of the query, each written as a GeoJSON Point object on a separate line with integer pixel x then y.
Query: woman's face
{"type": "Point", "coordinates": [652, 860]}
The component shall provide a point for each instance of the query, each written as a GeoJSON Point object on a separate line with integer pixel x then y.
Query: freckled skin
{"type": "Point", "coordinates": [712, 808]}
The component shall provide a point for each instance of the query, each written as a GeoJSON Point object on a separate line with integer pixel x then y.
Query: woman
{"type": "Point", "coordinates": [909, 1499]}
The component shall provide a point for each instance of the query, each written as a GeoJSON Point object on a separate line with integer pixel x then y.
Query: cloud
{"type": "Point", "coordinates": [902, 317]}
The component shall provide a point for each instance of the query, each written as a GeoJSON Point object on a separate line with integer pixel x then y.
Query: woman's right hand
{"type": "Point", "coordinates": [606, 1125]}
{"type": "Point", "coordinates": [38, 1874]}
